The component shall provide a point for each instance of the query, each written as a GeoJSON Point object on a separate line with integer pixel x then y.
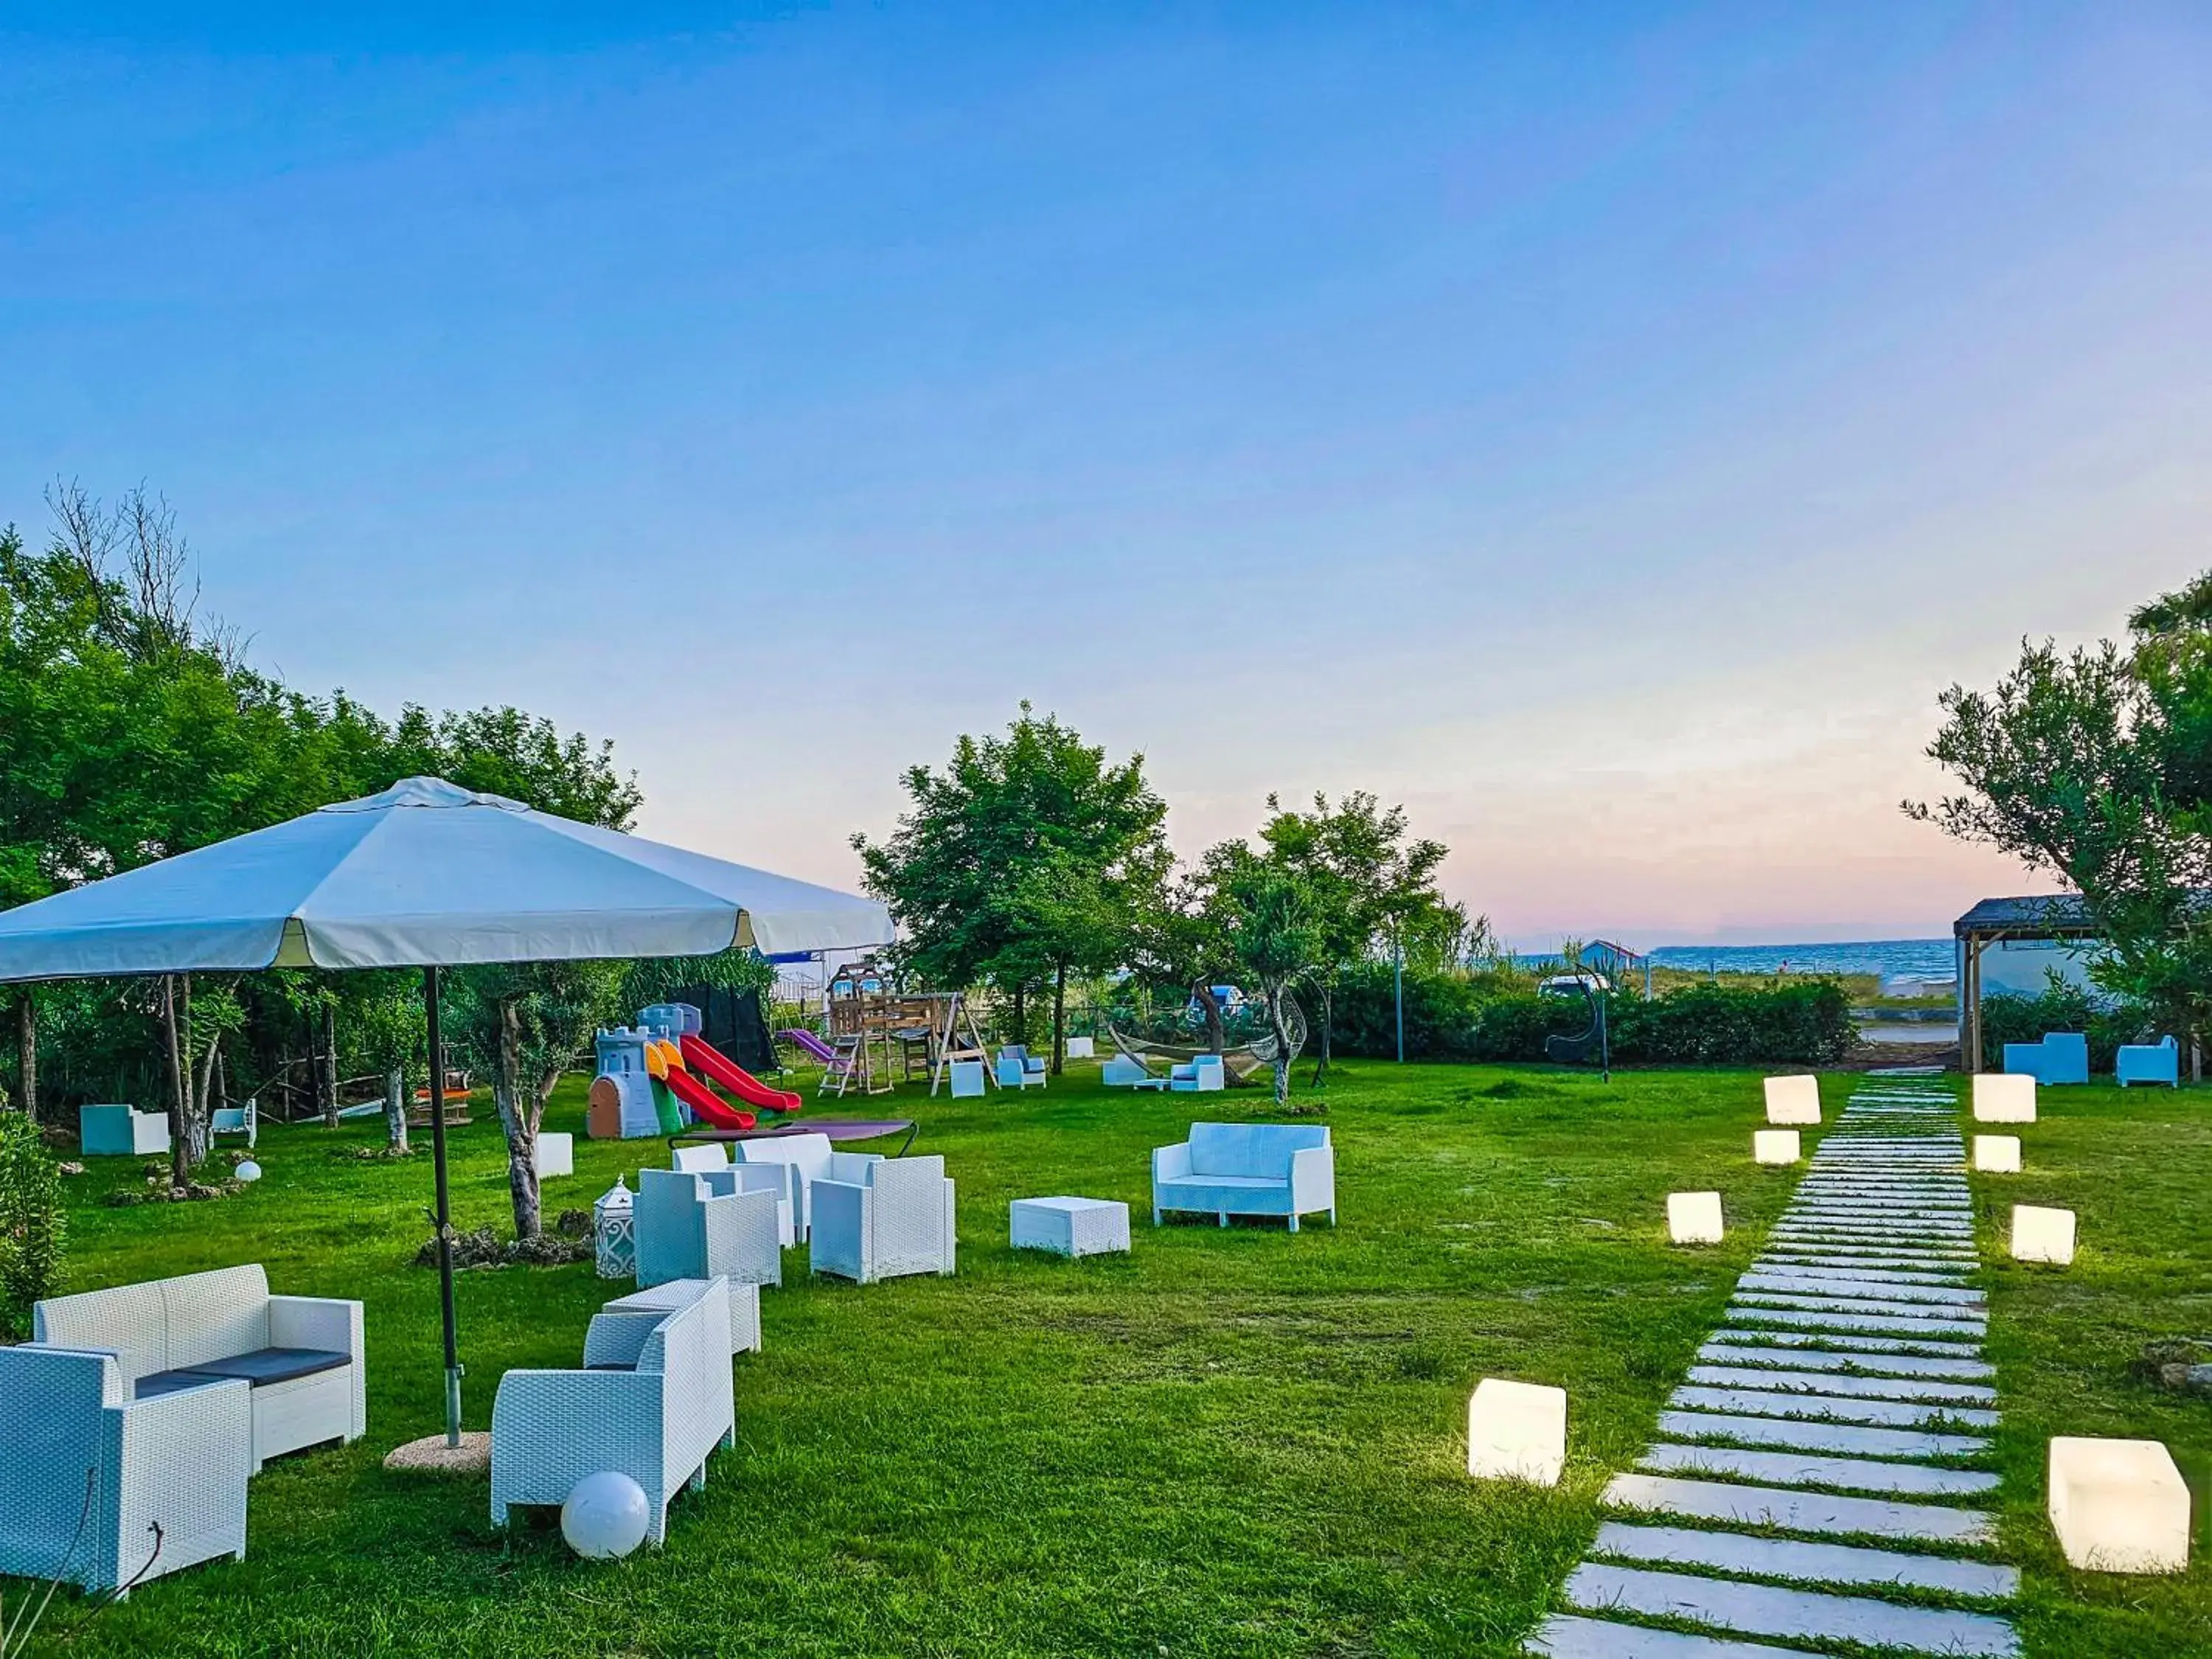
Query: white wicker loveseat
{"type": "Point", "coordinates": [104, 1491]}
{"type": "Point", "coordinates": [880, 1218]}
{"type": "Point", "coordinates": [304, 1355]}
{"type": "Point", "coordinates": [1285, 1170]}
{"type": "Point", "coordinates": [654, 1402]}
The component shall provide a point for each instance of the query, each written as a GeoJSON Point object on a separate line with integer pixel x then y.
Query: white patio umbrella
{"type": "Point", "coordinates": [425, 875]}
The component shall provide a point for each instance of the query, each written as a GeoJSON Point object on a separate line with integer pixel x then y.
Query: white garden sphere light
{"type": "Point", "coordinates": [605, 1516]}
{"type": "Point", "coordinates": [248, 1170]}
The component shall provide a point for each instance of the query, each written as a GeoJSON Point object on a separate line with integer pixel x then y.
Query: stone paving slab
{"type": "Point", "coordinates": [1858, 1270]}
{"type": "Point", "coordinates": [1834, 1437]}
{"type": "Point", "coordinates": [1564, 1637]}
{"type": "Point", "coordinates": [1760, 1306]}
{"type": "Point", "coordinates": [1793, 1466]}
{"type": "Point", "coordinates": [1870, 1388]}
{"type": "Point", "coordinates": [1944, 1313]}
{"type": "Point", "coordinates": [1840, 1285]}
{"type": "Point", "coordinates": [1849, 1342]}
{"type": "Point", "coordinates": [1796, 1614]}
{"type": "Point", "coordinates": [1834, 1408]}
{"type": "Point", "coordinates": [1810, 1358]}
{"type": "Point", "coordinates": [1822, 1564]}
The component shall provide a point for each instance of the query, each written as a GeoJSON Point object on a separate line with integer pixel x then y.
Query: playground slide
{"type": "Point", "coordinates": [702, 1056]}
{"type": "Point", "coordinates": [811, 1043]}
{"type": "Point", "coordinates": [710, 1106]}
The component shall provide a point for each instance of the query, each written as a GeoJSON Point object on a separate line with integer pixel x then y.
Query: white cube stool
{"type": "Point", "coordinates": [1997, 1154]}
{"type": "Point", "coordinates": [1069, 1226]}
{"type": "Point", "coordinates": [1793, 1099]}
{"type": "Point", "coordinates": [1694, 1217]}
{"type": "Point", "coordinates": [556, 1155]}
{"type": "Point", "coordinates": [2004, 1097]}
{"type": "Point", "coordinates": [1516, 1432]}
{"type": "Point", "coordinates": [2118, 1506]}
{"type": "Point", "coordinates": [2040, 1235]}
{"type": "Point", "coordinates": [1775, 1147]}
{"type": "Point", "coordinates": [1082, 1048]}
{"type": "Point", "coordinates": [967, 1078]}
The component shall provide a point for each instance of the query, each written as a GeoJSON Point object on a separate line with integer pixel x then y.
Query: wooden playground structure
{"type": "Point", "coordinates": [881, 1036]}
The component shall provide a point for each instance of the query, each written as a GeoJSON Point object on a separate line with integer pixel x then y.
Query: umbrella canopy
{"type": "Point", "coordinates": [426, 873]}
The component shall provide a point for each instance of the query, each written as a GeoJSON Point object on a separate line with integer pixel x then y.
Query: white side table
{"type": "Point", "coordinates": [664, 1299]}
{"type": "Point", "coordinates": [1069, 1226]}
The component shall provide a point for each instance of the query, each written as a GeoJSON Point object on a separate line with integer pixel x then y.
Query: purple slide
{"type": "Point", "coordinates": [813, 1044]}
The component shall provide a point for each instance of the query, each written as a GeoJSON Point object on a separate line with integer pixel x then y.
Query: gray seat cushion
{"type": "Point", "coordinates": [261, 1367]}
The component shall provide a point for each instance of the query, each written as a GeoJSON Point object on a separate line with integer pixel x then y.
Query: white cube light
{"type": "Point", "coordinates": [2118, 1506]}
{"type": "Point", "coordinates": [2040, 1234]}
{"type": "Point", "coordinates": [2004, 1097]}
{"type": "Point", "coordinates": [1997, 1154]}
{"type": "Point", "coordinates": [1694, 1217]}
{"type": "Point", "coordinates": [556, 1155]}
{"type": "Point", "coordinates": [1793, 1099]}
{"type": "Point", "coordinates": [1776, 1146]}
{"type": "Point", "coordinates": [1516, 1432]}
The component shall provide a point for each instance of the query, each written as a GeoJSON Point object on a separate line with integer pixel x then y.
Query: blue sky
{"type": "Point", "coordinates": [1603, 429]}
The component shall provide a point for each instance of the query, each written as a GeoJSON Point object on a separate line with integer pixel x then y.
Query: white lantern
{"type": "Point", "coordinates": [247, 1169]}
{"type": "Point", "coordinates": [605, 1516]}
{"type": "Point", "coordinates": [1793, 1099]}
{"type": "Point", "coordinates": [1694, 1217]}
{"type": "Point", "coordinates": [1775, 1147]}
{"type": "Point", "coordinates": [2004, 1097]}
{"type": "Point", "coordinates": [2040, 1235]}
{"type": "Point", "coordinates": [1516, 1432]}
{"type": "Point", "coordinates": [614, 1233]}
{"type": "Point", "coordinates": [1997, 1154]}
{"type": "Point", "coordinates": [2118, 1506]}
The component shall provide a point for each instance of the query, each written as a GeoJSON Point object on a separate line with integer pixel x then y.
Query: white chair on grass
{"type": "Point", "coordinates": [304, 1355]}
{"type": "Point", "coordinates": [654, 1400]}
{"type": "Point", "coordinates": [242, 1119]}
{"type": "Point", "coordinates": [1019, 1069]}
{"type": "Point", "coordinates": [1201, 1074]}
{"type": "Point", "coordinates": [889, 1216]}
{"type": "Point", "coordinates": [104, 1491]}
{"type": "Point", "coordinates": [685, 1230]}
{"type": "Point", "coordinates": [802, 1160]}
{"type": "Point", "coordinates": [121, 1132]}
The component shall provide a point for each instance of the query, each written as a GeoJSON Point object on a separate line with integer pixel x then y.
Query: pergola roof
{"type": "Point", "coordinates": [2048, 915]}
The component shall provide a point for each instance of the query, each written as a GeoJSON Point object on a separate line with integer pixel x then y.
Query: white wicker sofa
{"type": "Point", "coordinates": [1286, 1170]}
{"type": "Point", "coordinates": [654, 1402]}
{"type": "Point", "coordinates": [103, 1490]}
{"type": "Point", "coordinates": [885, 1217]}
{"type": "Point", "coordinates": [303, 1356]}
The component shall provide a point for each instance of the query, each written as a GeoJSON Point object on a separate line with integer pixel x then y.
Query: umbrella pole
{"type": "Point", "coordinates": [445, 1212]}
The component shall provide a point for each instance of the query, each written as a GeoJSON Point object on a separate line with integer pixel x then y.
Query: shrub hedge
{"type": "Point", "coordinates": [2009, 1019]}
{"type": "Point", "coordinates": [1449, 1017]}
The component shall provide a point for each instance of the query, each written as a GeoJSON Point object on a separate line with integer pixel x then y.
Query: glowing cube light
{"type": "Point", "coordinates": [1793, 1099]}
{"type": "Point", "coordinates": [2118, 1506]}
{"type": "Point", "coordinates": [1997, 1154]}
{"type": "Point", "coordinates": [1516, 1432]}
{"type": "Point", "coordinates": [2004, 1097]}
{"type": "Point", "coordinates": [2040, 1235]}
{"type": "Point", "coordinates": [1694, 1217]}
{"type": "Point", "coordinates": [1776, 1146]}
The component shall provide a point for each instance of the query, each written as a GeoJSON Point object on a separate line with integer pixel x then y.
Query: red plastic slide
{"type": "Point", "coordinates": [710, 1106]}
{"type": "Point", "coordinates": [705, 1058]}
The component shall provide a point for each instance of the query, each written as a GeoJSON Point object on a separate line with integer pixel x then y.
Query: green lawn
{"type": "Point", "coordinates": [1239, 1443]}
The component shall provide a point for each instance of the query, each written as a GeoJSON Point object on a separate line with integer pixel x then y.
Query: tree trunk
{"type": "Point", "coordinates": [195, 1145]}
{"type": "Point", "coordinates": [26, 1053]}
{"type": "Point", "coordinates": [521, 1122]}
{"type": "Point", "coordinates": [1274, 995]}
{"type": "Point", "coordinates": [395, 1108]}
{"type": "Point", "coordinates": [1058, 1016]}
{"type": "Point", "coordinates": [1217, 1038]}
{"type": "Point", "coordinates": [330, 1083]}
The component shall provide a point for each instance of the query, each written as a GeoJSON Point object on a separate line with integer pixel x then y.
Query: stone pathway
{"type": "Point", "coordinates": [1819, 1475]}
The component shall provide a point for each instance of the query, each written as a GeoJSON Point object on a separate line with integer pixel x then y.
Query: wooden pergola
{"type": "Point", "coordinates": [2051, 919]}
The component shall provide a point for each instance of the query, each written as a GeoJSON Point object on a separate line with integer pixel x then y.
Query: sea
{"type": "Point", "coordinates": [1917, 958]}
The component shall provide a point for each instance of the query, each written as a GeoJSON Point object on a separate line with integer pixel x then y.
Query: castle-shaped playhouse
{"type": "Point", "coordinates": [660, 1077]}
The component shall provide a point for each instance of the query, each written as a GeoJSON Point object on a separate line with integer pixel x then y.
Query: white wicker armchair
{"type": "Point", "coordinates": [802, 1160]}
{"type": "Point", "coordinates": [687, 1231]}
{"type": "Point", "coordinates": [104, 1491]}
{"type": "Point", "coordinates": [305, 1357]}
{"type": "Point", "coordinates": [884, 1217]}
{"type": "Point", "coordinates": [655, 1404]}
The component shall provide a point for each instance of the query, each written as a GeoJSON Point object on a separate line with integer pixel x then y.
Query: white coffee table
{"type": "Point", "coordinates": [664, 1299]}
{"type": "Point", "coordinates": [1069, 1226]}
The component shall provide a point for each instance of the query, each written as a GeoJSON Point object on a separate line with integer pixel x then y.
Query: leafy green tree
{"type": "Point", "coordinates": [2095, 766]}
{"type": "Point", "coordinates": [33, 1222]}
{"type": "Point", "coordinates": [1368, 885]}
{"type": "Point", "coordinates": [1029, 857]}
{"type": "Point", "coordinates": [1276, 933]}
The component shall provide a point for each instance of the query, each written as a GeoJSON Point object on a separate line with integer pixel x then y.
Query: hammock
{"type": "Point", "coordinates": [1248, 1045]}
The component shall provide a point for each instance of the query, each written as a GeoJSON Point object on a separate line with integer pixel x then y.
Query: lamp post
{"type": "Point", "coordinates": [1397, 987]}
